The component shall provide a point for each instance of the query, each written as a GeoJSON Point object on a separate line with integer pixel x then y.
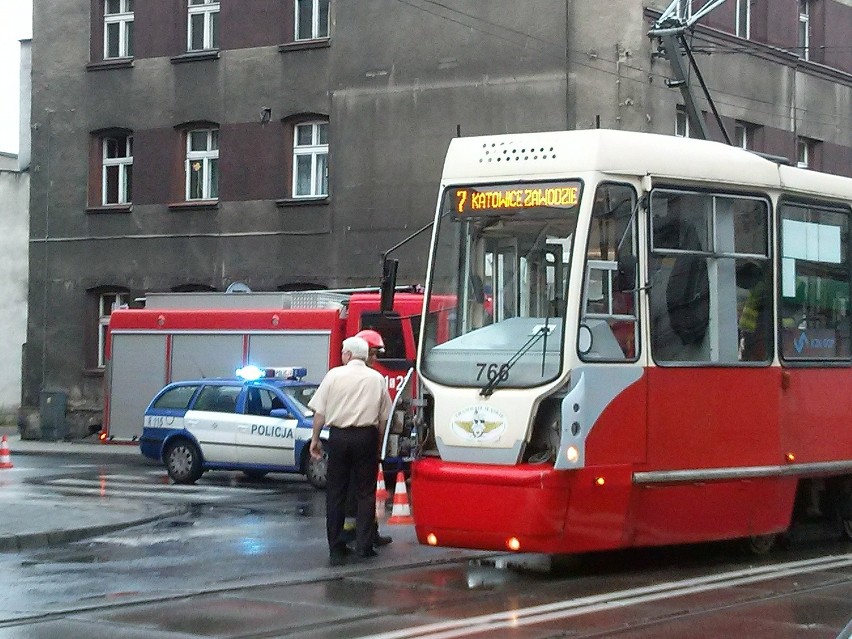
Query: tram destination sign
{"type": "Point", "coordinates": [513, 198]}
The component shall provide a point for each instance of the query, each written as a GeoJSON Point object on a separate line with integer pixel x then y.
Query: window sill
{"type": "Point", "coordinates": [195, 205]}
{"type": "Point", "coordinates": [299, 45]}
{"type": "Point", "coordinates": [196, 56]}
{"type": "Point", "coordinates": [110, 208]}
{"type": "Point", "coordinates": [301, 201]}
{"type": "Point", "coordinates": [104, 65]}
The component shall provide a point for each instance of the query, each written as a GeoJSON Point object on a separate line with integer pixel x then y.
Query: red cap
{"type": "Point", "coordinates": [373, 339]}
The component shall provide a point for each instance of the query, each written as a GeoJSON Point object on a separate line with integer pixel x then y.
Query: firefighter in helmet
{"type": "Point", "coordinates": [377, 345]}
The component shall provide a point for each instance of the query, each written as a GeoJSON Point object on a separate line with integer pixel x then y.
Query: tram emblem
{"type": "Point", "coordinates": [479, 423]}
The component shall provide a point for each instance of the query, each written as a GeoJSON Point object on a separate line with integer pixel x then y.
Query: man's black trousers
{"type": "Point", "coordinates": [352, 456]}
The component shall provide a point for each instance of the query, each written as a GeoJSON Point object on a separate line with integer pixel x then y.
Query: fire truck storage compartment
{"type": "Point", "coordinates": [310, 349]}
{"type": "Point", "coordinates": [137, 370]}
{"type": "Point", "coordinates": [138, 367]}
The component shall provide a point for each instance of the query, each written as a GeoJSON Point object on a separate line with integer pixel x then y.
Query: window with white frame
{"type": "Point", "coordinates": [202, 164]}
{"type": "Point", "coordinates": [310, 159]}
{"type": "Point", "coordinates": [681, 122]}
{"type": "Point", "coordinates": [203, 25]}
{"type": "Point", "coordinates": [117, 174]}
{"type": "Point", "coordinates": [805, 153]}
{"type": "Point", "coordinates": [107, 303]}
{"type": "Point", "coordinates": [118, 29]}
{"type": "Point", "coordinates": [311, 19]}
{"type": "Point", "coordinates": [804, 29]}
{"type": "Point", "coordinates": [743, 23]}
{"type": "Point", "coordinates": [744, 134]}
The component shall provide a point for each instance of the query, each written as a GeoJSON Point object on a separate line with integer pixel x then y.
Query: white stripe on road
{"type": "Point", "coordinates": [620, 599]}
{"type": "Point", "coordinates": [172, 536]}
{"type": "Point", "coordinates": [165, 492]}
{"type": "Point", "coordinates": [108, 482]}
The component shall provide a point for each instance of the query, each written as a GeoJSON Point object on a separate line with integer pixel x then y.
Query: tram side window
{"type": "Point", "coordinates": [815, 318]}
{"type": "Point", "coordinates": [709, 278]}
{"type": "Point", "coordinates": [611, 277]}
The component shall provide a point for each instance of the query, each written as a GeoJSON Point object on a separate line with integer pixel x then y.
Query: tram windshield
{"type": "Point", "coordinates": [501, 261]}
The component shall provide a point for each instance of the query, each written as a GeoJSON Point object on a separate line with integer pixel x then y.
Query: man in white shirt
{"type": "Point", "coordinates": [353, 401]}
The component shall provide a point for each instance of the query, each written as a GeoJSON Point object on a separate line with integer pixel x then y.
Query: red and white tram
{"type": "Point", "coordinates": [651, 345]}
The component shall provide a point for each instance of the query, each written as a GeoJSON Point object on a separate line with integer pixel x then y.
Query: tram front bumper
{"type": "Point", "coordinates": [518, 508]}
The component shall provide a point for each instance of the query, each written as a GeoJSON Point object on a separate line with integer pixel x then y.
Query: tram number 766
{"type": "Point", "coordinates": [492, 372]}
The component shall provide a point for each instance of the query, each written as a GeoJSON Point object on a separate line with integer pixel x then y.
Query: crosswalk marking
{"type": "Point", "coordinates": [127, 486]}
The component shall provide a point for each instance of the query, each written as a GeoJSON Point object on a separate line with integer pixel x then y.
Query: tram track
{"type": "Point", "coordinates": [629, 603]}
{"type": "Point", "coordinates": [598, 603]}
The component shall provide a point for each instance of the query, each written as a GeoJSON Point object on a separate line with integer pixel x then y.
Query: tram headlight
{"type": "Point", "coordinates": [513, 544]}
{"type": "Point", "coordinates": [431, 539]}
{"type": "Point", "coordinates": [572, 454]}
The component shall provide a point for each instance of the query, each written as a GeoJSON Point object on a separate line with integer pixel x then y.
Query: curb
{"type": "Point", "coordinates": [29, 541]}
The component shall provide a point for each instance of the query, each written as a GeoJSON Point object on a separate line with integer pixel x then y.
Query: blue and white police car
{"type": "Point", "coordinates": [258, 422]}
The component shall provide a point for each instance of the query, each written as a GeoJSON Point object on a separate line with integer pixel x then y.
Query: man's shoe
{"type": "Point", "coordinates": [381, 540]}
{"type": "Point", "coordinates": [366, 554]}
{"type": "Point", "coordinates": [337, 555]}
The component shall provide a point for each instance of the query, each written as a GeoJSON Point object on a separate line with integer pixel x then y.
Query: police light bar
{"type": "Point", "coordinates": [250, 373]}
{"type": "Point", "coordinates": [290, 372]}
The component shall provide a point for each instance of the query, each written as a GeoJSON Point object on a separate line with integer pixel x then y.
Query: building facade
{"type": "Point", "coordinates": [14, 194]}
{"type": "Point", "coordinates": [190, 144]}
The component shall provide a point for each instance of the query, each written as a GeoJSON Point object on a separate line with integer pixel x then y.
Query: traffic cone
{"type": "Point", "coordinates": [381, 494]}
{"type": "Point", "coordinates": [401, 513]}
{"type": "Point", "coordinates": [381, 491]}
{"type": "Point", "coordinates": [5, 456]}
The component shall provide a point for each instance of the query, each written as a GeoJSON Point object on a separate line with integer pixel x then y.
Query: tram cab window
{"type": "Point", "coordinates": [710, 278]}
{"type": "Point", "coordinates": [610, 287]}
{"type": "Point", "coordinates": [815, 317]}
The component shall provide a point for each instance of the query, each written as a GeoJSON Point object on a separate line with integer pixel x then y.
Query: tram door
{"type": "Point", "coordinates": [815, 332]}
{"type": "Point", "coordinates": [609, 348]}
{"type": "Point", "coordinates": [712, 392]}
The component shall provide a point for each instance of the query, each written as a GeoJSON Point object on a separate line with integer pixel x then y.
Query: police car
{"type": "Point", "coordinates": [258, 422]}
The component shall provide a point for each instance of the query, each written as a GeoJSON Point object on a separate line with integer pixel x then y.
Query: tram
{"type": "Point", "coordinates": [649, 345]}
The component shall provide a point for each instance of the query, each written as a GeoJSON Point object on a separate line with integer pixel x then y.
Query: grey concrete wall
{"type": "Point", "coordinates": [25, 133]}
{"type": "Point", "coordinates": [14, 201]}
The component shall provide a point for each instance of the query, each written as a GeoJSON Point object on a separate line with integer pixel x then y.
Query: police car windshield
{"type": "Point", "coordinates": [301, 395]}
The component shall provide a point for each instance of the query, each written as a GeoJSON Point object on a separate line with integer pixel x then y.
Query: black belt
{"type": "Point", "coordinates": [353, 426]}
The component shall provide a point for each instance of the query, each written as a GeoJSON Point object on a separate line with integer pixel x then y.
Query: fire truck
{"type": "Point", "coordinates": [183, 336]}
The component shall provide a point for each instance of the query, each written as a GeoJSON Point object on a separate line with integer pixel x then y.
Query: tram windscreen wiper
{"type": "Point", "coordinates": [503, 371]}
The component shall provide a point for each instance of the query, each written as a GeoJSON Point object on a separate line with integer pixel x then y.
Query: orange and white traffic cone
{"type": "Point", "coordinates": [381, 491]}
{"type": "Point", "coordinates": [5, 456]}
{"type": "Point", "coordinates": [381, 494]}
{"type": "Point", "coordinates": [401, 513]}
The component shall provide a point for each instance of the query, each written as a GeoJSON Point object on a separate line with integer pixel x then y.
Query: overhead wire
{"type": "Point", "coordinates": [475, 22]}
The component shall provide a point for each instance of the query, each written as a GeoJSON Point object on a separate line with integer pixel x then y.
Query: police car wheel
{"type": "Point", "coordinates": [183, 462]}
{"type": "Point", "coordinates": [316, 470]}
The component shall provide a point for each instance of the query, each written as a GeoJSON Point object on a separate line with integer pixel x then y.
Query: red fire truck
{"type": "Point", "coordinates": [180, 336]}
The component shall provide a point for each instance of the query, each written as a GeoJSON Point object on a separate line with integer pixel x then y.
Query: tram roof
{"type": "Point", "coordinates": [560, 154]}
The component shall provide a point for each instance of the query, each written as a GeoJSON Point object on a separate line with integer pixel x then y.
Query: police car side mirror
{"type": "Point", "coordinates": [281, 413]}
